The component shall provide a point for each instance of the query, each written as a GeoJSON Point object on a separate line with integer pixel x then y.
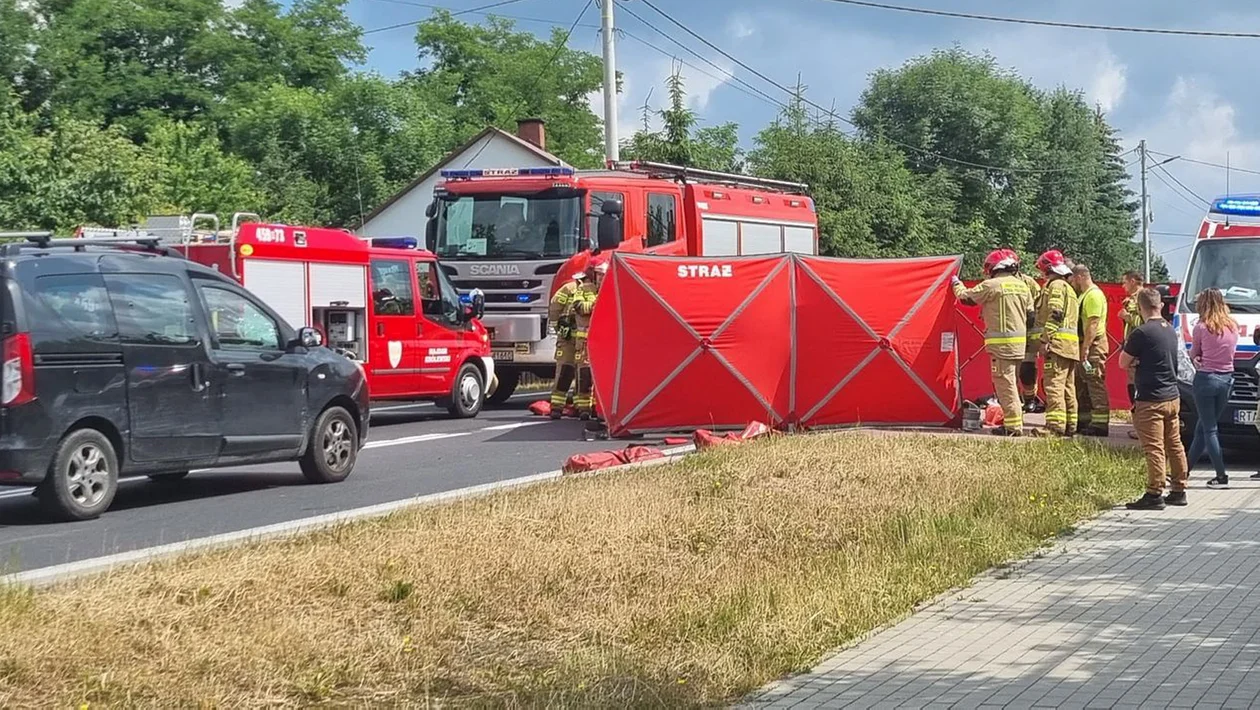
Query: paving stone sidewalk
{"type": "Point", "coordinates": [1149, 609]}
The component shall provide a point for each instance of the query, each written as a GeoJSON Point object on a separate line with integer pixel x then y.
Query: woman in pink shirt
{"type": "Point", "coordinates": [1215, 337]}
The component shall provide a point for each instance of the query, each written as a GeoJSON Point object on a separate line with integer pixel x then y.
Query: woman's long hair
{"type": "Point", "coordinates": [1213, 313]}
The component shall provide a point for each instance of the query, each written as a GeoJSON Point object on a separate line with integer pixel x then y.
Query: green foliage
{"type": "Point", "coordinates": [680, 141]}
{"type": "Point", "coordinates": [191, 173]}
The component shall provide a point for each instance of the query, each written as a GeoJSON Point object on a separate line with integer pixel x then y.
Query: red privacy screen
{"type": "Point", "coordinates": [791, 340]}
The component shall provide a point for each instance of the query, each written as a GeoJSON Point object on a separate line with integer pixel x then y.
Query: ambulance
{"type": "Point", "coordinates": [383, 302]}
{"type": "Point", "coordinates": [1226, 256]}
{"type": "Point", "coordinates": [518, 234]}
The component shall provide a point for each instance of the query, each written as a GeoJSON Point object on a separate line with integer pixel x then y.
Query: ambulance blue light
{"type": "Point", "coordinates": [1242, 205]}
{"type": "Point", "coordinates": [522, 297]}
{"type": "Point", "coordinates": [396, 242]}
{"type": "Point", "coordinates": [508, 172]}
{"type": "Point", "coordinates": [465, 298]}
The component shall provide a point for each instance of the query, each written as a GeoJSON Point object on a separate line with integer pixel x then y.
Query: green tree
{"type": "Point", "coordinates": [868, 202]}
{"type": "Point", "coordinates": [959, 110]}
{"type": "Point", "coordinates": [17, 35]}
{"type": "Point", "coordinates": [492, 75]}
{"type": "Point", "coordinates": [191, 173]}
{"type": "Point", "coordinates": [681, 142]}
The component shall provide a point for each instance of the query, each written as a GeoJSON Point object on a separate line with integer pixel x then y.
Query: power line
{"type": "Point", "coordinates": [1175, 191]}
{"type": "Point", "coordinates": [781, 87]}
{"type": "Point", "coordinates": [1048, 23]}
{"type": "Point", "coordinates": [1163, 169]}
{"type": "Point", "coordinates": [1210, 164]}
{"type": "Point", "coordinates": [1181, 193]}
{"type": "Point", "coordinates": [546, 67]}
{"type": "Point", "coordinates": [474, 11]}
{"type": "Point", "coordinates": [470, 10]}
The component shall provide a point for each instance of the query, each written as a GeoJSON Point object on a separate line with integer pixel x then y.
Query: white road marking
{"type": "Point", "coordinates": [506, 427]}
{"type": "Point", "coordinates": [414, 439]}
{"type": "Point", "coordinates": [46, 575]}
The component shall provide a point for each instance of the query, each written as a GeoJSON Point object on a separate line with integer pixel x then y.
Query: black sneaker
{"type": "Point", "coordinates": [1148, 501]}
{"type": "Point", "coordinates": [556, 414]}
{"type": "Point", "coordinates": [1219, 482]}
{"type": "Point", "coordinates": [1003, 431]}
{"type": "Point", "coordinates": [1177, 498]}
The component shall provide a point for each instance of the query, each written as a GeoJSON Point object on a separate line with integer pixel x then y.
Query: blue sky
{"type": "Point", "coordinates": [1186, 96]}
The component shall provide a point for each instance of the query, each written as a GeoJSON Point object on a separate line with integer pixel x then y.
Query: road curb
{"type": "Point", "coordinates": [45, 576]}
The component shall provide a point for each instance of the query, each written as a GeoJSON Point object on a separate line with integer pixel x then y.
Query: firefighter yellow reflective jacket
{"type": "Point", "coordinates": [1005, 303]}
{"type": "Point", "coordinates": [1058, 314]}
{"type": "Point", "coordinates": [1130, 316]}
{"type": "Point", "coordinates": [583, 305]}
{"type": "Point", "coordinates": [1034, 334]}
{"type": "Point", "coordinates": [1094, 305]}
{"type": "Point", "coordinates": [560, 310]}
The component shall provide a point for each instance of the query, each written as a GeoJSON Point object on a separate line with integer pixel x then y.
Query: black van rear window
{"type": "Point", "coordinates": [73, 303]}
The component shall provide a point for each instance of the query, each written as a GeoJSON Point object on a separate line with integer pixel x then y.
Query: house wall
{"type": "Point", "coordinates": [405, 217]}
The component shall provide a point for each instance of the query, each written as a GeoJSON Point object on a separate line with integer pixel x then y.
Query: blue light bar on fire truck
{"type": "Point", "coordinates": [508, 172]}
{"type": "Point", "coordinates": [396, 242]}
{"type": "Point", "coordinates": [1241, 205]}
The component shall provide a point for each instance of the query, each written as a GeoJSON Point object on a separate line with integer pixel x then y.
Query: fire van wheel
{"type": "Point", "coordinates": [334, 447]}
{"type": "Point", "coordinates": [508, 381]}
{"type": "Point", "coordinates": [468, 394]}
{"type": "Point", "coordinates": [82, 478]}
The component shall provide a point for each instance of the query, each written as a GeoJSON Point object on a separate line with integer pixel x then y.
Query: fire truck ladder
{"type": "Point", "coordinates": [682, 174]}
{"type": "Point", "coordinates": [190, 234]}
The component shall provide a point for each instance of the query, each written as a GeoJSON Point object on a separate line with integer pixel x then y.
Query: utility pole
{"type": "Point", "coordinates": [1146, 221]}
{"type": "Point", "coordinates": [612, 149]}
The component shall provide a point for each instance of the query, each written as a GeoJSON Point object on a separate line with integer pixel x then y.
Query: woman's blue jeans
{"type": "Point", "coordinates": [1211, 394]}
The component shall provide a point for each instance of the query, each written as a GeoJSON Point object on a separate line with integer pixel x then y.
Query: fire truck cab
{"type": "Point", "coordinates": [385, 303]}
{"type": "Point", "coordinates": [520, 233]}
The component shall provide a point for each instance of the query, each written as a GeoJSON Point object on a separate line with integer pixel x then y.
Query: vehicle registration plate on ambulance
{"type": "Point", "coordinates": [503, 355]}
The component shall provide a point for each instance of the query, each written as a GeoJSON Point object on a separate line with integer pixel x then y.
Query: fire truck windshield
{"type": "Point", "coordinates": [509, 227]}
{"type": "Point", "coordinates": [1230, 265]}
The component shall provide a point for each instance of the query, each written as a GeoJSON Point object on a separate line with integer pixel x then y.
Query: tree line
{"type": "Point", "coordinates": [110, 111]}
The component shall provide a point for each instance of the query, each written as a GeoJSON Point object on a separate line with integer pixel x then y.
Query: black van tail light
{"type": "Point", "coordinates": [17, 371]}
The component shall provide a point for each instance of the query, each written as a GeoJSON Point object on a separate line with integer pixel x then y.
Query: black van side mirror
{"type": "Point", "coordinates": [610, 228]}
{"type": "Point", "coordinates": [308, 337]}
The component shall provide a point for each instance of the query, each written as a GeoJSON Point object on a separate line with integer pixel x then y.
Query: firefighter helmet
{"type": "Point", "coordinates": [1000, 259]}
{"type": "Point", "coordinates": [1053, 261]}
{"type": "Point", "coordinates": [597, 265]}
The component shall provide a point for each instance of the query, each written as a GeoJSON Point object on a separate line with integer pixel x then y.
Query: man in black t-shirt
{"type": "Point", "coordinates": [1152, 348]}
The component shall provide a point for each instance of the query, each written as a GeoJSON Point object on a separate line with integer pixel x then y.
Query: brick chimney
{"type": "Point", "coordinates": [532, 130]}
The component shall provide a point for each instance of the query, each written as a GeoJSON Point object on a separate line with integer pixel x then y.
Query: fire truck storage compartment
{"type": "Point", "coordinates": [281, 284]}
{"type": "Point", "coordinates": [339, 305]}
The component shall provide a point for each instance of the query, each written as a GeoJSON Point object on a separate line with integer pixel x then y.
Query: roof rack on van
{"type": "Point", "coordinates": [46, 240]}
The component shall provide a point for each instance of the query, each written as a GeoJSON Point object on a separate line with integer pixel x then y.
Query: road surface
{"type": "Point", "coordinates": [413, 450]}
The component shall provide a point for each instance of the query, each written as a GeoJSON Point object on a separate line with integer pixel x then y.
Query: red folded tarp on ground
{"type": "Point", "coordinates": [796, 341]}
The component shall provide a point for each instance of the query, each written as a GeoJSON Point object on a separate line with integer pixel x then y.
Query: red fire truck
{"type": "Point", "coordinates": [520, 233]}
{"type": "Point", "coordinates": [385, 303]}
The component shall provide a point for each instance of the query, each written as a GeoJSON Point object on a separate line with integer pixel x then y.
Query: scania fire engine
{"type": "Point", "coordinates": [384, 302]}
{"type": "Point", "coordinates": [518, 234]}
{"type": "Point", "coordinates": [1226, 256]}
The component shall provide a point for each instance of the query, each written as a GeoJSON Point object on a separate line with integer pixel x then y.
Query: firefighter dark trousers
{"type": "Point", "coordinates": [584, 400]}
{"type": "Point", "coordinates": [1060, 384]}
{"type": "Point", "coordinates": [1091, 396]}
{"type": "Point", "coordinates": [565, 372]}
{"type": "Point", "coordinates": [1007, 390]}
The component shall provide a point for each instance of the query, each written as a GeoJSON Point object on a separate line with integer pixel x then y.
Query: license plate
{"type": "Point", "coordinates": [1245, 416]}
{"type": "Point", "coordinates": [525, 348]}
{"type": "Point", "coordinates": [503, 355]}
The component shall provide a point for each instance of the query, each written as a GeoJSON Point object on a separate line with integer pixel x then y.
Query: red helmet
{"type": "Point", "coordinates": [598, 264]}
{"type": "Point", "coordinates": [1000, 259]}
{"type": "Point", "coordinates": [1053, 261]}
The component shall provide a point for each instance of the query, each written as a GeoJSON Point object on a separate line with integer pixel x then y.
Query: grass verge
{"type": "Point", "coordinates": [682, 585]}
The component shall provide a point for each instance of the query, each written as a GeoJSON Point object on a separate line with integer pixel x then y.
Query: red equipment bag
{"type": "Point", "coordinates": [541, 408]}
{"type": "Point", "coordinates": [582, 463]}
{"type": "Point", "coordinates": [993, 415]}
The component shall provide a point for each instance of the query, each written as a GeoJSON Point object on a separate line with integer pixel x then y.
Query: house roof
{"type": "Point", "coordinates": [493, 133]}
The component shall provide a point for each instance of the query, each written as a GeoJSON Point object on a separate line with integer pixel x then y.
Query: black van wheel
{"type": "Point", "coordinates": [468, 394]}
{"type": "Point", "coordinates": [333, 449]}
{"type": "Point", "coordinates": [83, 477]}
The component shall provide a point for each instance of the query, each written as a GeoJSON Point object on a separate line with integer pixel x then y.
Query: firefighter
{"type": "Point", "coordinates": [1028, 368]}
{"type": "Point", "coordinates": [560, 312]}
{"type": "Point", "coordinates": [1057, 315]}
{"type": "Point", "coordinates": [1006, 304]}
{"type": "Point", "coordinates": [1091, 384]}
{"type": "Point", "coordinates": [1130, 315]}
{"type": "Point", "coordinates": [583, 307]}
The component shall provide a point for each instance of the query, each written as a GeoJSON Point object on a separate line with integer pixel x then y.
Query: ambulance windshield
{"type": "Point", "coordinates": [509, 227]}
{"type": "Point", "coordinates": [1231, 265]}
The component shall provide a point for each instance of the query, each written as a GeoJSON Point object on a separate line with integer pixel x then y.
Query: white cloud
{"type": "Point", "coordinates": [1106, 88]}
{"type": "Point", "coordinates": [740, 26]}
{"type": "Point", "coordinates": [644, 81]}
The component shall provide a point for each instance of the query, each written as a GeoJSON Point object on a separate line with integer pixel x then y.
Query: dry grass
{"type": "Point", "coordinates": [682, 585]}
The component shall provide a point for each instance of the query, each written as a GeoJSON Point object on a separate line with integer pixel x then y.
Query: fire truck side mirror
{"type": "Point", "coordinates": [431, 210]}
{"type": "Point", "coordinates": [430, 234]}
{"type": "Point", "coordinates": [609, 227]}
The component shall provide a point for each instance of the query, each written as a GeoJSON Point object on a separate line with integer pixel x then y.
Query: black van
{"type": "Point", "coordinates": [120, 357]}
